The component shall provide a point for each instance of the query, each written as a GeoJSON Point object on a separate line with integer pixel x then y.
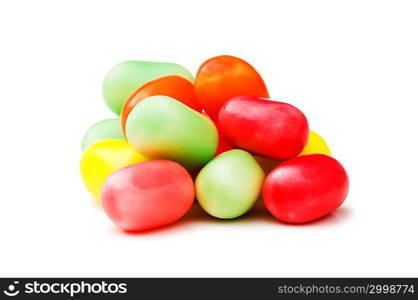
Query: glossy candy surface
{"type": "Point", "coordinates": [222, 77]}
{"type": "Point", "coordinates": [126, 77]}
{"type": "Point", "coordinates": [105, 129]}
{"type": "Point", "coordinates": [316, 145]}
{"type": "Point", "coordinates": [230, 184]}
{"type": "Point", "coordinates": [272, 129]}
{"type": "Point", "coordinates": [161, 127]}
{"type": "Point", "coordinates": [147, 195]}
{"type": "Point", "coordinates": [305, 188]}
{"type": "Point", "coordinates": [103, 158]}
{"type": "Point", "coordinates": [172, 86]}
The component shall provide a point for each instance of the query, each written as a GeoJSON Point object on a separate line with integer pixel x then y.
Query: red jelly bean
{"type": "Point", "coordinates": [222, 77]}
{"type": "Point", "coordinates": [273, 129]}
{"type": "Point", "coordinates": [147, 195]}
{"type": "Point", "coordinates": [305, 188]}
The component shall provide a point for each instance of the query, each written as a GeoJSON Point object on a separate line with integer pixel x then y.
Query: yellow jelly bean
{"type": "Point", "coordinates": [316, 145]}
{"type": "Point", "coordinates": [103, 158]}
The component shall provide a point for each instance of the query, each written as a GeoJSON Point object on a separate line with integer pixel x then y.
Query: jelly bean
{"type": "Point", "coordinates": [106, 129]}
{"type": "Point", "coordinates": [128, 76]}
{"type": "Point", "coordinates": [161, 127]}
{"type": "Point", "coordinates": [172, 86]}
{"type": "Point", "coordinates": [229, 185]}
{"type": "Point", "coordinates": [305, 188]}
{"type": "Point", "coordinates": [103, 158]}
{"type": "Point", "coordinates": [223, 77]}
{"type": "Point", "coordinates": [147, 195]}
{"type": "Point", "coordinates": [276, 130]}
{"type": "Point", "coordinates": [316, 145]}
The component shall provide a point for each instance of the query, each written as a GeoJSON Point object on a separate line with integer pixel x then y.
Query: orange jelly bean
{"type": "Point", "coordinates": [223, 77]}
{"type": "Point", "coordinates": [172, 86]}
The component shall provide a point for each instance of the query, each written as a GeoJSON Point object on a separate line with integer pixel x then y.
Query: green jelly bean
{"type": "Point", "coordinates": [229, 185]}
{"type": "Point", "coordinates": [160, 127]}
{"type": "Point", "coordinates": [128, 76]}
{"type": "Point", "coordinates": [105, 129]}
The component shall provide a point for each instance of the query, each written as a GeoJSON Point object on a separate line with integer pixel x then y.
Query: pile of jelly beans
{"type": "Point", "coordinates": [217, 138]}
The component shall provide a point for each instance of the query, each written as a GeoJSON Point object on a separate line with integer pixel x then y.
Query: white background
{"type": "Point", "coordinates": [351, 66]}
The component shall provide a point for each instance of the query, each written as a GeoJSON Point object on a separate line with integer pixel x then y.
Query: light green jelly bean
{"type": "Point", "coordinates": [105, 129]}
{"type": "Point", "coordinates": [161, 127]}
{"type": "Point", "coordinates": [229, 185]}
{"type": "Point", "coordinates": [128, 76]}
